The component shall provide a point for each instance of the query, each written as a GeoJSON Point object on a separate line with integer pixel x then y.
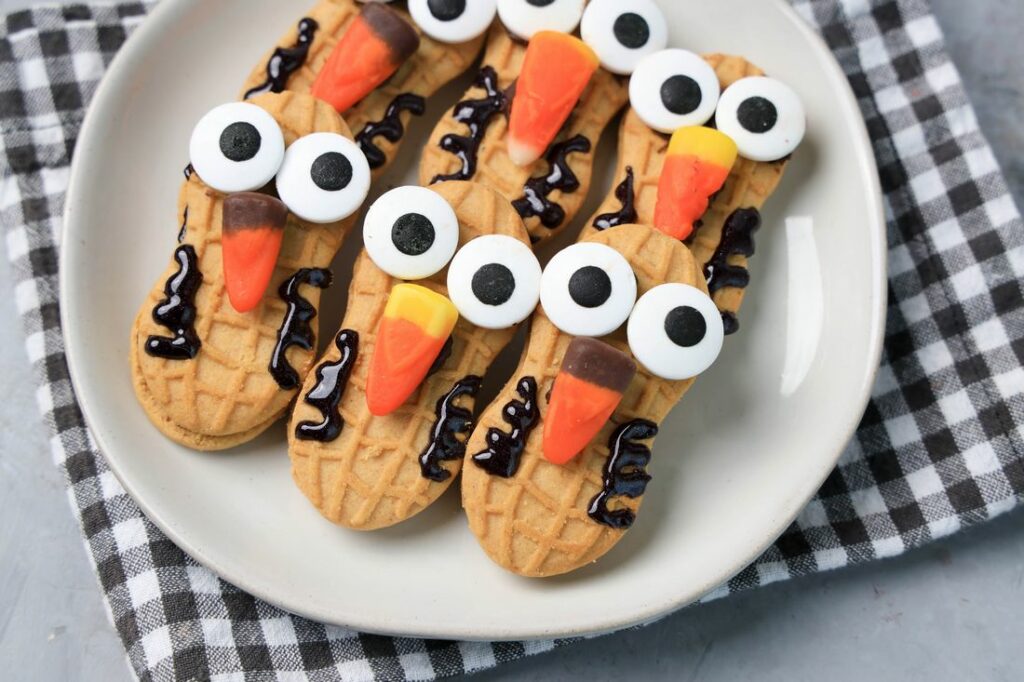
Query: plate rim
{"type": "Point", "coordinates": [866, 167]}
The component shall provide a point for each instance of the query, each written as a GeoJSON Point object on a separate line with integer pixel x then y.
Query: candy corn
{"type": "Point", "coordinates": [253, 227]}
{"type": "Point", "coordinates": [588, 389]}
{"type": "Point", "coordinates": [696, 167]}
{"type": "Point", "coordinates": [416, 325]}
{"type": "Point", "coordinates": [556, 71]}
{"type": "Point", "coordinates": [375, 45]}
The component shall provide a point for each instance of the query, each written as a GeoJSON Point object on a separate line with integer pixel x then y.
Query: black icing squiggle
{"type": "Point", "coordinates": [626, 195]}
{"type": "Point", "coordinates": [477, 114]}
{"type": "Point", "coordinates": [177, 311]}
{"type": "Point", "coordinates": [452, 421]}
{"type": "Point", "coordinates": [184, 227]}
{"type": "Point", "coordinates": [286, 60]}
{"type": "Point", "coordinates": [535, 201]}
{"type": "Point", "coordinates": [295, 329]}
{"type": "Point", "coordinates": [390, 127]}
{"type": "Point", "coordinates": [332, 378]}
{"type": "Point", "coordinates": [737, 240]}
{"type": "Point", "coordinates": [501, 458]}
{"type": "Point", "coordinates": [625, 473]}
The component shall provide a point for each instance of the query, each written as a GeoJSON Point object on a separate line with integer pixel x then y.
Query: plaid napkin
{"type": "Point", "coordinates": [939, 448]}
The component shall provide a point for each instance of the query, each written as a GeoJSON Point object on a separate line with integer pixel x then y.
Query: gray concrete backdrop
{"type": "Point", "coordinates": [948, 612]}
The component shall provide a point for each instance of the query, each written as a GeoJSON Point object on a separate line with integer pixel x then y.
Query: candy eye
{"type": "Point", "coordinates": [765, 118]}
{"type": "Point", "coordinates": [675, 331]}
{"type": "Point", "coordinates": [588, 289]}
{"type": "Point", "coordinates": [523, 18]}
{"type": "Point", "coordinates": [494, 281]}
{"type": "Point", "coordinates": [237, 147]}
{"type": "Point", "coordinates": [453, 21]}
{"type": "Point", "coordinates": [411, 233]}
{"type": "Point", "coordinates": [324, 178]}
{"type": "Point", "coordinates": [674, 89]}
{"type": "Point", "coordinates": [623, 32]}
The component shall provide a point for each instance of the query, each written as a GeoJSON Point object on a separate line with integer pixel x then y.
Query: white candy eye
{"type": "Point", "coordinates": [674, 89]}
{"type": "Point", "coordinates": [763, 116]}
{"type": "Point", "coordinates": [453, 21]}
{"type": "Point", "coordinates": [494, 281]}
{"type": "Point", "coordinates": [325, 178]}
{"type": "Point", "coordinates": [588, 289]}
{"type": "Point", "coordinates": [237, 147]}
{"type": "Point", "coordinates": [675, 331]}
{"type": "Point", "coordinates": [622, 32]}
{"type": "Point", "coordinates": [411, 233]}
{"type": "Point", "coordinates": [523, 18]}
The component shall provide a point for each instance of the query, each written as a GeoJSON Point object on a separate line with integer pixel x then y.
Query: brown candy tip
{"type": "Point", "coordinates": [598, 363]}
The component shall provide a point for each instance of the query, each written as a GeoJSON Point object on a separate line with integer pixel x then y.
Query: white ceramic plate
{"type": "Point", "coordinates": [732, 468]}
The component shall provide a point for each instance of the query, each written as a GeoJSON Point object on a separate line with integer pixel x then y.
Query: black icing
{"type": "Point", "coordinates": [625, 473]}
{"type": "Point", "coordinates": [390, 127]}
{"type": "Point", "coordinates": [286, 60]}
{"type": "Point", "coordinates": [189, 170]}
{"type": "Point", "coordinates": [295, 329]}
{"type": "Point", "coordinates": [737, 240]}
{"type": "Point", "coordinates": [535, 201]}
{"type": "Point", "coordinates": [331, 380]}
{"type": "Point", "coordinates": [632, 30]}
{"type": "Point", "coordinates": [685, 326]}
{"type": "Point", "coordinates": [681, 94]}
{"type": "Point", "coordinates": [331, 172]}
{"type": "Point", "coordinates": [757, 114]}
{"type": "Point", "coordinates": [184, 227]}
{"type": "Point", "coordinates": [493, 284]}
{"type": "Point", "coordinates": [504, 450]}
{"type": "Point", "coordinates": [451, 422]}
{"type": "Point", "coordinates": [627, 214]}
{"type": "Point", "coordinates": [590, 287]}
{"type": "Point", "coordinates": [413, 234]}
{"type": "Point", "coordinates": [177, 311]}
{"type": "Point", "coordinates": [477, 114]}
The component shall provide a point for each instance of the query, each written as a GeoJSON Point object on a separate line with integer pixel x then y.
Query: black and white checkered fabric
{"type": "Point", "coordinates": [940, 447]}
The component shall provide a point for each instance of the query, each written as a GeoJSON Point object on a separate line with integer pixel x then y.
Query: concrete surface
{"type": "Point", "coordinates": [948, 612]}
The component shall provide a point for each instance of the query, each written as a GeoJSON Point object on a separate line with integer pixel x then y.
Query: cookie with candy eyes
{"type": "Point", "coordinates": [724, 240]}
{"type": "Point", "coordinates": [533, 143]}
{"type": "Point", "coordinates": [227, 332]}
{"type": "Point", "coordinates": [374, 62]}
{"type": "Point", "coordinates": [379, 430]}
{"type": "Point", "coordinates": [556, 467]}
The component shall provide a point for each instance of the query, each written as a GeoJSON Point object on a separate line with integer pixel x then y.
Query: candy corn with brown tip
{"type": "Point", "coordinates": [556, 71]}
{"type": "Point", "coordinates": [416, 325]}
{"type": "Point", "coordinates": [697, 165]}
{"type": "Point", "coordinates": [589, 387]}
{"type": "Point", "coordinates": [250, 241]}
{"type": "Point", "coordinates": [378, 42]}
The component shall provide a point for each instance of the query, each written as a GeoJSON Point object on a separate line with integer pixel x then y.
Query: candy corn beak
{"type": "Point", "coordinates": [253, 228]}
{"type": "Point", "coordinates": [371, 50]}
{"type": "Point", "coordinates": [696, 167]}
{"type": "Point", "coordinates": [416, 324]}
{"type": "Point", "coordinates": [556, 71]}
{"type": "Point", "coordinates": [588, 389]}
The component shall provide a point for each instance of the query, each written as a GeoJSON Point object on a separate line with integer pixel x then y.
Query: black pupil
{"type": "Point", "coordinates": [590, 287]}
{"type": "Point", "coordinates": [757, 115]}
{"type": "Point", "coordinates": [681, 95]}
{"type": "Point", "coordinates": [446, 10]}
{"type": "Point", "coordinates": [493, 284]}
{"type": "Point", "coordinates": [685, 326]}
{"type": "Point", "coordinates": [632, 30]}
{"type": "Point", "coordinates": [240, 141]}
{"type": "Point", "coordinates": [331, 172]}
{"type": "Point", "coordinates": [413, 234]}
{"type": "Point", "coordinates": [539, 3]}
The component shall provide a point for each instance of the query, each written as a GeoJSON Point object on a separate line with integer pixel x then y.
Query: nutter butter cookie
{"type": "Point", "coordinates": [228, 332]}
{"type": "Point", "coordinates": [375, 63]}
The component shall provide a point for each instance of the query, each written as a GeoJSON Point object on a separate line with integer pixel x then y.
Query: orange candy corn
{"type": "Point", "coordinates": [253, 227]}
{"type": "Point", "coordinates": [697, 165]}
{"type": "Point", "coordinates": [587, 391]}
{"type": "Point", "coordinates": [556, 71]}
{"type": "Point", "coordinates": [375, 45]}
{"type": "Point", "coordinates": [416, 325]}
